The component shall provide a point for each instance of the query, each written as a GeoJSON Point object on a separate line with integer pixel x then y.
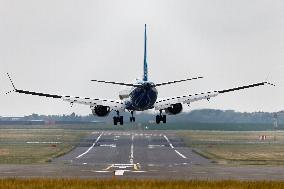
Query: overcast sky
{"type": "Point", "coordinates": [58, 46]}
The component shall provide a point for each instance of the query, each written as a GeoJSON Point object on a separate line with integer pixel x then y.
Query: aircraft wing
{"type": "Point", "coordinates": [186, 99]}
{"type": "Point", "coordinates": [113, 104]}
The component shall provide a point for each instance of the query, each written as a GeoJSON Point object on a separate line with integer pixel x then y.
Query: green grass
{"type": "Point", "coordinates": [15, 149]}
{"type": "Point", "coordinates": [237, 147]}
{"type": "Point", "coordinates": [212, 126]}
{"type": "Point", "coordinates": [224, 147]}
{"type": "Point", "coordinates": [135, 184]}
{"type": "Point", "coordinates": [153, 126]}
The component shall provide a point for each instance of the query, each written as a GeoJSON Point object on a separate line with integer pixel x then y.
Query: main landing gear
{"type": "Point", "coordinates": [118, 119]}
{"type": "Point", "coordinates": [132, 118]}
{"type": "Point", "coordinates": [160, 118]}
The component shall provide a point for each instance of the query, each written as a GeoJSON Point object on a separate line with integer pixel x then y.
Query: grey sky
{"type": "Point", "coordinates": [57, 46]}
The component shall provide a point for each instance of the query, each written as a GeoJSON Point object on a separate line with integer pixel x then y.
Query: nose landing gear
{"type": "Point", "coordinates": [132, 118]}
{"type": "Point", "coordinates": [161, 117]}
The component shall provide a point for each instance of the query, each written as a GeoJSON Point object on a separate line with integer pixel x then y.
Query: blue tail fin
{"type": "Point", "coordinates": [145, 74]}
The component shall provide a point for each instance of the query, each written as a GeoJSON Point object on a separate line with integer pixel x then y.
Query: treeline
{"type": "Point", "coordinates": [70, 117]}
{"type": "Point", "coordinates": [230, 116]}
{"type": "Point", "coordinates": [198, 116]}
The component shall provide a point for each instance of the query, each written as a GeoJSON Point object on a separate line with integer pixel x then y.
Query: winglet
{"type": "Point", "coordinates": [270, 83]}
{"type": "Point", "coordinates": [267, 80]}
{"type": "Point", "coordinates": [11, 82]}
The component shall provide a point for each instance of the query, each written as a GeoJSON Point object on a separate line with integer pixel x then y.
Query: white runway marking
{"type": "Point", "coordinates": [119, 172]}
{"type": "Point", "coordinates": [101, 171]}
{"type": "Point", "coordinates": [122, 166]}
{"type": "Point", "coordinates": [154, 146]}
{"type": "Point", "coordinates": [108, 145]}
{"type": "Point", "coordinates": [90, 147]}
{"type": "Point", "coordinates": [131, 151]}
{"type": "Point", "coordinates": [180, 154]}
{"type": "Point", "coordinates": [38, 142]}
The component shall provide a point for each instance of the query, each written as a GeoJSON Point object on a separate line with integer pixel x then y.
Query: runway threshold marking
{"type": "Point", "coordinates": [90, 147]}
{"type": "Point", "coordinates": [171, 145]}
{"type": "Point", "coordinates": [119, 172]}
{"type": "Point", "coordinates": [120, 166]}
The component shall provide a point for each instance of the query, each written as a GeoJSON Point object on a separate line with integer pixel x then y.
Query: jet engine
{"type": "Point", "coordinates": [124, 94]}
{"type": "Point", "coordinates": [100, 111]}
{"type": "Point", "coordinates": [174, 109]}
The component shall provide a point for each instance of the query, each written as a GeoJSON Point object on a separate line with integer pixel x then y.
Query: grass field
{"type": "Point", "coordinates": [25, 144]}
{"type": "Point", "coordinates": [36, 145]}
{"type": "Point", "coordinates": [237, 147]}
{"type": "Point", "coordinates": [132, 184]}
{"type": "Point", "coordinates": [213, 126]}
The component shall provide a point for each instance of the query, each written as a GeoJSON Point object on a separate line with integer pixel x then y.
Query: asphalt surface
{"type": "Point", "coordinates": [139, 155]}
{"type": "Point", "coordinates": [132, 152]}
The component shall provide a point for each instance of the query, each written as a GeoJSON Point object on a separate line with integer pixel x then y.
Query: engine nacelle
{"type": "Point", "coordinates": [174, 109]}
{"type": "Point", "coordinates": [101, 111]}
{"type": "Point", "coordinates": [124, 94]}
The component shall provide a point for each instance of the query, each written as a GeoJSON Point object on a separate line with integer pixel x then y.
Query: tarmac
{"type": "Point", "coordinates": [139, 155]}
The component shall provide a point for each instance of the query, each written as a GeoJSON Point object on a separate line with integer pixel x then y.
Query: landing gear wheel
{"type": "Point", "coordinates": [132, 118]}
{"type": "Point", "coordinates": [115, 120]}
{"type": "Point", "coordinates": [164, 119]}
{"type": "Point", "coordinates": [120, 119]}
{"type": "Point", "coordinates": [161, 117]}
{"type": "Point", "coordinates": [158, 119]}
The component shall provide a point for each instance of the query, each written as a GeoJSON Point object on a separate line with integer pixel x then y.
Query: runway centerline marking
{"type": "Point", "coordinates": [132, 150]}
{"type": "Point", "coordinates": [90, 147]}
{"type": "Point", "coordinates": [155, 145]}
{"type": "Point", "coordinates": [171, 145]}
{"type": "Point", "coordinates": [108, 145]}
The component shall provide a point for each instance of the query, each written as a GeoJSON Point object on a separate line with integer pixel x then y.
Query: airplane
{"type": "Point", "coordinates": [142, 95]}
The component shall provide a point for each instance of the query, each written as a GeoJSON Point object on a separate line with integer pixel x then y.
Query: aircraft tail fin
{"type": "Point", "coordinates": [145, 68]}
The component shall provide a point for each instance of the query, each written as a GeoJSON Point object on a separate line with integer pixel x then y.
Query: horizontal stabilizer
{"type": "Point", "coordinates": [117, 83]}
{"type": "Point", "coordinates": [177, 81]}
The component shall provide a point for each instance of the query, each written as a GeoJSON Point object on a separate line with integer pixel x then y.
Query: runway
{"type": "Point", "coordinates": [132, 152]}
{"type": "Point", "coordinates": [138, 155]}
